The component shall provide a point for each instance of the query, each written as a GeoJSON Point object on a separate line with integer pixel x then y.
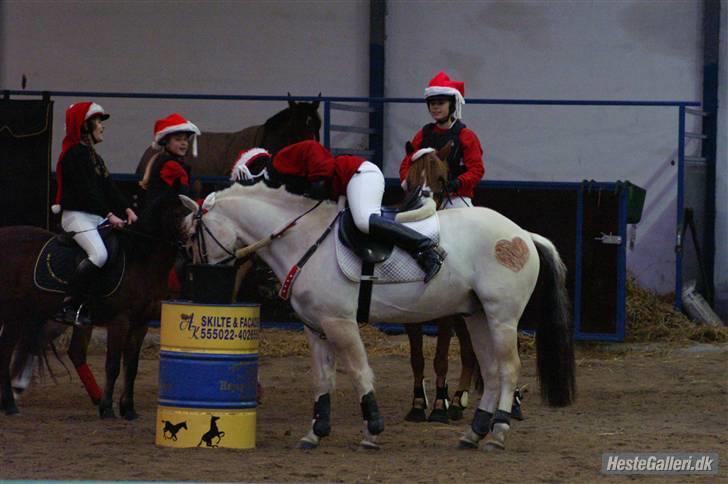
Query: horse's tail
{"type": "Point", "coordinates": [33, 344]}
{"type": "Point", "coordinates": [554, 337]}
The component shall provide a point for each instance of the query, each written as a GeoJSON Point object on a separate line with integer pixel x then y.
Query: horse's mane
{"type": "Point", "coordinates": [157, 225]}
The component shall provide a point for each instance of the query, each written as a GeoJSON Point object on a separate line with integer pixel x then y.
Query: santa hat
{"type": "Point", "coordinates": [442, 85]}
{"type": "Point", "coordinates": [421, 152]}
{"type": "Point", "coordinates": [174, 123]}
{"type": "Point", "coordinates": [247, 160]}
{"type": "Point", "coordinates": [76, 115]}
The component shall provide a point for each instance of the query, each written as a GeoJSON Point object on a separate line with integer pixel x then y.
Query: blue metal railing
{"type": "Point", "coordinates": [380, 101]}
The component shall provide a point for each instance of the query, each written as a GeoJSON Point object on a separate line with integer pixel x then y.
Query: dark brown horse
{"type": "Point", "coordinates": [150, 246]}
{"type": "Point", "coordinates": [430, 172]}
{"type": "Point", "coordinates": [218, 151]}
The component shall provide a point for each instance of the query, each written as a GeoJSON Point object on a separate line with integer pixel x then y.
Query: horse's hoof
{"type": "Point", "coordinates": [11, 410]}
{"type": "Point", "coordinates": [130, 415]}
{"type": "Point", "coordinates": [416, 415]}
{"type": "Point", "coordinates": [469, 440]}
{"type": "Point", "coordinates": [306, 445]}
{"type": "Point", "coordinates": [496, 439]}
{"type": "Point", "coordinates": [309, 441]}
{"type": "Point", "coordinates": [455, 412]}
{"type": "Point", "coordinates": [369, 444]}
{"type": "Point", "coordinates": [466, 444]}
{"type": "Point", "coordinates": [438, 415]}
{"type": "Point", "coordinates": [493, 446]}
{"type": "Point", "coordinates": [369, 439]}
{"type": "Point", "coordinates": [106, 413]}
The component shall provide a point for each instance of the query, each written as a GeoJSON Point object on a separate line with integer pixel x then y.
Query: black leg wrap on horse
{"type": "Point", "coordinates": [481, 422]}
{"type": "Point", "coordinates": [419, 392]}
{"type": "Point", "coordinates": [370, 412]}
{"type": "Point", "coordinates": [500, 417]}
{"type": "Point", "coordinates": [441, 393]}
{"type": "Point", "coordinates": [321, 416]}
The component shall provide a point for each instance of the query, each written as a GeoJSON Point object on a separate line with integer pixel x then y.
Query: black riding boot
{"type": "Point", "coordinates": [78, 293]}
{"type": "Point", "coordinates": [423, 249]}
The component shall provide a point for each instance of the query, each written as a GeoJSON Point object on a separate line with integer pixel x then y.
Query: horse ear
{"type": "Point", "coordinates": [291, 102]}
{"type": "Point", "coordinates": [315, 104]}
{"type": "Point", "coordinates": [444, 152]}
{"type": "Point", "coordinates": [188, 203]}
{"type": "Point", "coordinates": [408, 148]}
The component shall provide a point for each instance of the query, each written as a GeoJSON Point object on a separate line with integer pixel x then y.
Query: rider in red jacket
{"type": "Point", "coordinates": [445, 99]}
{"type": "Point", "coordinates": [167, 169]}
{"type": "Point", "coordinates": [326, 176]}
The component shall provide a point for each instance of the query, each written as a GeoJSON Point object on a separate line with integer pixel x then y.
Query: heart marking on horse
{"type": "Point", "coordinates": [512, 254]}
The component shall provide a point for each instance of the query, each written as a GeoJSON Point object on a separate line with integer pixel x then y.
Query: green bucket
{"type": "Point", "coordinates": [635, 200]}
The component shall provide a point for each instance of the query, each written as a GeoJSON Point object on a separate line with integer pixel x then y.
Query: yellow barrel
{"type": "Point", "coordinates": [208, 373]}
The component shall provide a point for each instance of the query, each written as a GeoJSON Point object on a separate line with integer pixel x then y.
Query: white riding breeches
{"type": "Point", "coordinates": [364, 193]}
{"type": "Point", "coordinates": [87, 235]}
{"type": "Point", "coordinates": [456, 201]}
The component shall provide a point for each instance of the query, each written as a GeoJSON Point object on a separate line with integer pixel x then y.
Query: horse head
{"type": "Point", "coordinates": [428, 170]}
{"type": "Point", "coordinates": [209, 235]}
{"type": "Point", "coordinates": [299, 121]}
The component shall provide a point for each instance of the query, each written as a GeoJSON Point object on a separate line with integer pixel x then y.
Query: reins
{"type": "Point", "coordinates": [243, 252]}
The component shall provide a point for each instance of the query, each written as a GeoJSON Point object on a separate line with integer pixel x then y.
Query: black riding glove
{"type": "Point", "coordinates": [318, 189]}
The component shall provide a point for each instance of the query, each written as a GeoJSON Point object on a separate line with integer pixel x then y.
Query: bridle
{"type": "Point", "coordinates": [199, 241]}
{"type": "Point", "coordinates": [238, 255]}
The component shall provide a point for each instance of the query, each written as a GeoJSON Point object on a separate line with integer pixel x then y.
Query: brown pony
{"type": "Point", "coordinates": [150, 246]}
{"type": "Point", "coordinates": [430, 171]}
{"type": "Point", "coordinates": [217, 151]}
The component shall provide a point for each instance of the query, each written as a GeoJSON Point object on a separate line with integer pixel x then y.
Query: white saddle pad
{"type": "Point", "coordinates": [399, 267]}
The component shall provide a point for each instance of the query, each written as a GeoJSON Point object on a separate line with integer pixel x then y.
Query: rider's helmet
{"type": "Point", "coordinates": [442, 87]}
{"type": "Point", "coordinates": [174, 123]}
{"type": "Point", "coordinates": [250, 166]}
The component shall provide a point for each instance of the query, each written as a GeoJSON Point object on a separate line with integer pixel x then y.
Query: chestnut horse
{"type": "Point", "coordinates": [150, 247]}
{"type": "Point", "coordinates": [429, 172]}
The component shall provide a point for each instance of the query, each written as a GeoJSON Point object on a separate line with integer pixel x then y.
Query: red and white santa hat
{"type": "Point", "coordinates": [175, 123]}
{"type": "Point", "coordinates": [442, 85]}
{"type": "Point", "coordinates": [95, 110]}
{"type": "Point", "coordinates": [247, 161]}
{"type": "Point", "coordinates": [76, 115]}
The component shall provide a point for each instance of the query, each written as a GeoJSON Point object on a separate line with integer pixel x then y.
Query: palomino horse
{"type": "Point", "coordinates": [488, 276]}
{"type": "Point", "coordinates": [150, 246]}
{"type": "Point", "coordinates": [217, 151]}
{"type": "Point", "coordinates": [429, 172]}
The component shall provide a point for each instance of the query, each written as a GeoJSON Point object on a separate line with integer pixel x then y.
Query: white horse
{"type": "Point", "coordinates": [488, 276]}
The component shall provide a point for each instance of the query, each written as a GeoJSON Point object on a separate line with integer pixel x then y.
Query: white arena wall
{"type": "Point", "coordinates": [626, 50]}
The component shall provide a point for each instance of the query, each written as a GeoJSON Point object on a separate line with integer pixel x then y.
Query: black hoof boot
{"type": "Point", "coordinates": [440, 408]}
{"type": "Point", "coordinates": [438, 415]}
{"type": "Point", "coordinates": [458, 405]}
{"type": "Point", "coordinates": [417, 412]}
{"type": "Point", "coordinates": [370, 413]}
{"type": "Point", "coordinates": [419, 405]}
